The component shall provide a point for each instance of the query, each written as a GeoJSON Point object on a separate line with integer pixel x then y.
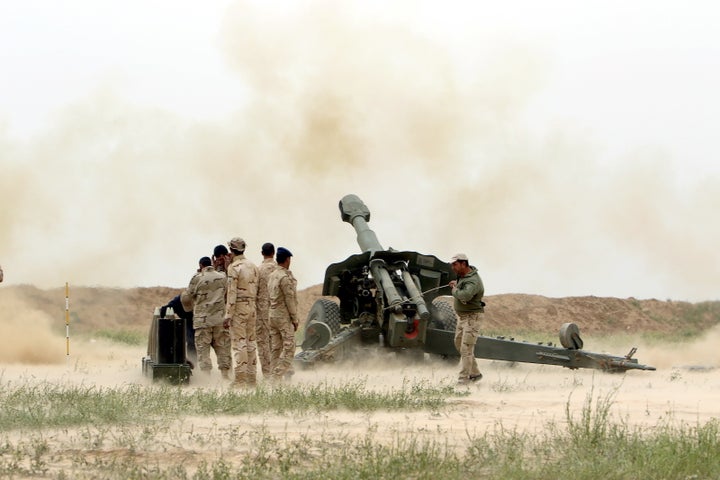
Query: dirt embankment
{"type": "Point", "coordinates": [93, 308]}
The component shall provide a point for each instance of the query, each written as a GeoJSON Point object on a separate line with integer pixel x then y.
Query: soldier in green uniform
{"type": "Point", "coordinates": [468, 291]}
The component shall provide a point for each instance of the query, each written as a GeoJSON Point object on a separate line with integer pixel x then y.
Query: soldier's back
{"type": "Point", "coordinates": [210, 297]}
{"type": "Point", "coordinates": [244, 275]}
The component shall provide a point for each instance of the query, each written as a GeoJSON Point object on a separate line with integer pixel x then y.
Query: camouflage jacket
{"type": "Point", "coordinates": [242, 283]}
{"type": "Point", "coordinates": [264, 271]}
{"type": "Point", "coordinates": [468, 293]}
{"type": "Point", "coordinates": [282, 289]}
{"type": "Point", "coordinates": [207, 290]}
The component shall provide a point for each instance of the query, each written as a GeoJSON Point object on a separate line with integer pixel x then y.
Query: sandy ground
{"type": "Point", "coordinates": [685, 389]}
{"type": "Point", "coordinates": [520, 396]}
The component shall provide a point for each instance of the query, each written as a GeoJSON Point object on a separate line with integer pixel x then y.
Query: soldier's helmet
{"type": "Point", "coordinates": [237, 243]}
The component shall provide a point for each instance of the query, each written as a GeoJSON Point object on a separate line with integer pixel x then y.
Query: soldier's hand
{"type": "Point", "coordinates": [452, 283]}
{"type": "Point", "coordinates": [226, 323]}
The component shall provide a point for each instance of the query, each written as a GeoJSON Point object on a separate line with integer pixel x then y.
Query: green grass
{"type": "Point", "coordinates": [46, 405]}
{"type": "Point", "coordinates": [126, 337]}
{"type": "Point", "coordinates": [127, 433]}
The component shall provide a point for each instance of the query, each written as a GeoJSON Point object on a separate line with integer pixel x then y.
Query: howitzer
{"type": "Point", "coordinates": [395, 299]}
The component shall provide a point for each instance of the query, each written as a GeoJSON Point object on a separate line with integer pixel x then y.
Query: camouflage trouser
{"type": "Point", "coordinates": [190, 342]}
{"type": "Point", "coordinates": [263, 342]}
{"type": "Point", "coordinates": [466, 333]}
{"type": "Point", "coordinates": [282, 343]}
{"type": "Point", "coordinates": [242, 332]}
{"type": "Point", "coordinates": [219, 339]}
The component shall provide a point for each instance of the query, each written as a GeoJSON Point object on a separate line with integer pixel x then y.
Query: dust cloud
{"type": "Point", "coordinates": [698, 354]}
{"type": "Point", "coordinates": [432, 136]}
{"type": "Point", "coordinates": [26, 335]}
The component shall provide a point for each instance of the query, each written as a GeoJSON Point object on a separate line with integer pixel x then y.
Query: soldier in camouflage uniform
{"type": "Point", "coordinates": [207, 292]}
{"type": "Point", "coordinates": [282, 289]}
{"type": "Point", "coordinates": [263, 305]}
{"type": "Point", "coordinates": [240, 313]}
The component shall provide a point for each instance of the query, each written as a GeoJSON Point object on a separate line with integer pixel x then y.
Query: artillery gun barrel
{"type": "Point", "coordinates": [415, 295]}
{"type": "Point", "coordinates": [357, 214]}
{"type": "Point", "coordinates": [381, 275]}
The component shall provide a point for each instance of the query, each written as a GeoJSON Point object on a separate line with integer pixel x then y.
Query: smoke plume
{"type": "Point", "coordinates": [342, 100]}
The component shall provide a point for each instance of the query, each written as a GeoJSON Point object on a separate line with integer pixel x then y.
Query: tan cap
{"type": "Point", "coordinates": [237, 243]}
{"type": "Point", "coordinates": [458, 256]}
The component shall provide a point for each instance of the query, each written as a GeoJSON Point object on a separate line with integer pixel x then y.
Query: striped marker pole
{"type": "Point", "coordinates": [67, 321]}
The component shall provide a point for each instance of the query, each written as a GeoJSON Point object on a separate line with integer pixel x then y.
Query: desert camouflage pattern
{"type": "Point", "coordinates": [263, 306]}
{"type": "Point", "coordinates": [282, 290]}
{"type": "Point", "coordinates": [240, 309]}
{"type": "Point", "coordinates": [187, 302]}
{"type": "Point", "coordinates": [466, 333]}
{"type": "Point", "coordinates": [206, 291]}
{"type": "Point", "coordinates": [217, 338]}
{"type": "Point", "coordinates": [238, 244]}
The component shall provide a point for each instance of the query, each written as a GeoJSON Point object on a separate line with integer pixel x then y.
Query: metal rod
{"type": "Point", "coordinates": [67, 320]}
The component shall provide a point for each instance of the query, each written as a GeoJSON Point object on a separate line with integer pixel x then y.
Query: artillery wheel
{"type": "Point", "coordinates": [444, 316]}
{"type": "Point", "coordinates": [317, 335]}
{"type": "Point", "coordinates": [327, 312]}
{"type": "Point", "coordinates": [570, 336]}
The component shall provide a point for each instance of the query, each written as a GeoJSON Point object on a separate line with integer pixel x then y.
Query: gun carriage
{"type": "Point", "coordinates": [394, 299]}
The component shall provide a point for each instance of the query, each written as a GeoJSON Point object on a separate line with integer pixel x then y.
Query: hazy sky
{"type": "Point", "coordinates": [569, 148]}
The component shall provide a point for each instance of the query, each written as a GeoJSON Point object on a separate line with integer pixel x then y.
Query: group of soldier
{"type": "Point", "coordinates": [243, 311]}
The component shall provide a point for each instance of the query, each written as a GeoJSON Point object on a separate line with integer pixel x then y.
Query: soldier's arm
{"type": "Point", "coordinates": [232, 286]}
{"type": "Point", "coordinates": [288, 289]}
{"type": "Point", "coordinates": [192, 287]}
{"type": "Point", "coordinates": [465, 290]}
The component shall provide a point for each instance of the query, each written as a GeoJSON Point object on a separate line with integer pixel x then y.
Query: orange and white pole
{"type": "Point", "coordinates": [67, 321]}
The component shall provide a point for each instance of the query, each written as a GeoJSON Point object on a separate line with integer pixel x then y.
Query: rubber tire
{"type": "Point", "coordinates": [444, 316]}
{"type": "Point", "coordinates": [327, 312]}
